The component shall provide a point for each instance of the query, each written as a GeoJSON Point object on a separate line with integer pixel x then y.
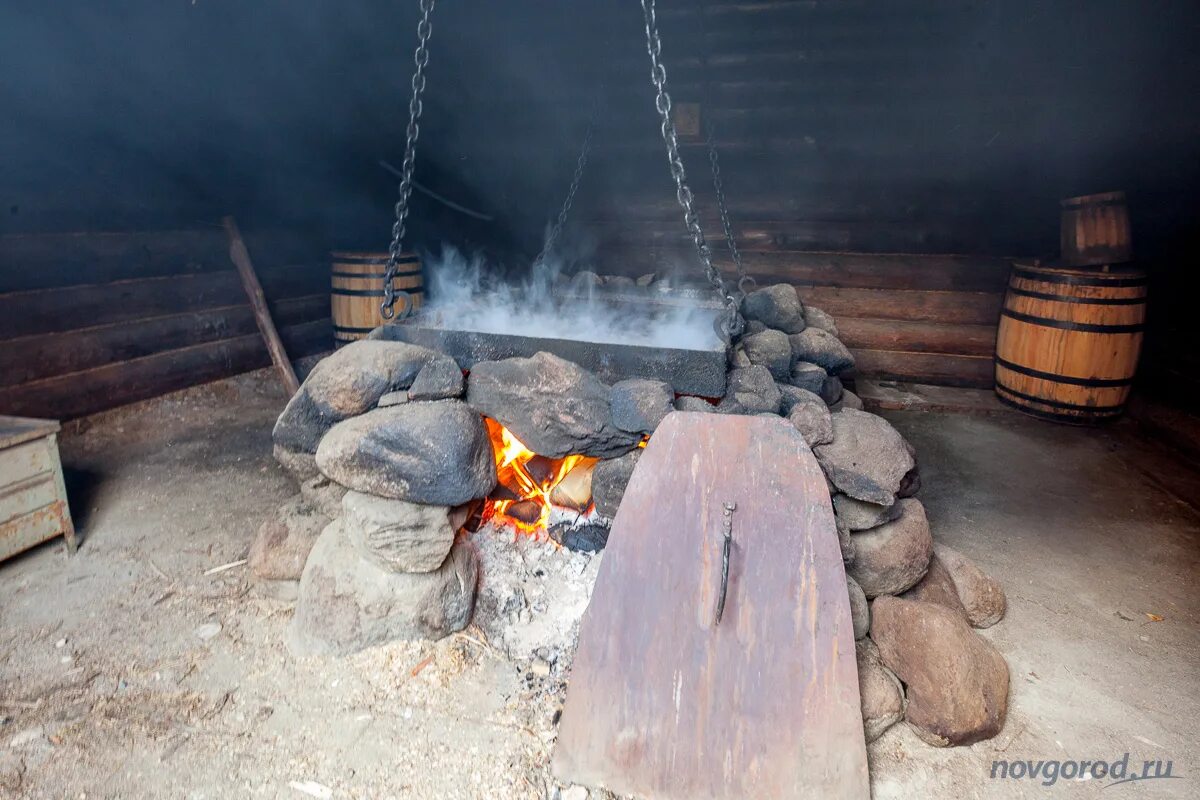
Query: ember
{"type": "Point", "coordinates": [531, 487]}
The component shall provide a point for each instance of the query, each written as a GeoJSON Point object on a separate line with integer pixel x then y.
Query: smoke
{"type": "Point", "coordinates": [467, 294]}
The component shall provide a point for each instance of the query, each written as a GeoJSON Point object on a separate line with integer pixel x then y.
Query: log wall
{"type": "Point", "coordinates": [90, 321]}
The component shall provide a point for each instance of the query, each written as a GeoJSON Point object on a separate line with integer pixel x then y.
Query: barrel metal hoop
{"type": "Point", "coordinates": [1077, 280]}
{"type": "Point", "coordinates": [1067, 325]}
{"type": "Point", "coordinates": [1058, 403]}
{"type": "Point", "coordinates": [336, 274]}
{"type": "Point", "coordinates": [1053, 417]}
{"type": "Point", "coordinates": [1067, 298]}
{"type": "Point", "coordinates": [366, 292]}
{"type": "Point", "coordinates": [350, 329]}
{"type": "Point", "coordinates": [1095, 383]}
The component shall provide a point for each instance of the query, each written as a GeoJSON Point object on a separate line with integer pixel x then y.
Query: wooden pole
{"type": "Point", "coordinates": [258, 301]}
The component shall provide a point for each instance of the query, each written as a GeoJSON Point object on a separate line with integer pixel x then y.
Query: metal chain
{"type": "Point", "coordinates": [580, 163]}
{"type": "Point", "coordinates": [743, 279]}
{"type": "Point", "coordinates": [731, 323]}
{"type": "Point", "coordinates": [421, 59]}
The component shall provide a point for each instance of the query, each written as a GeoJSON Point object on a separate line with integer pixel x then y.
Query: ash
{"type": "Point", "coordinates": [532, 595]}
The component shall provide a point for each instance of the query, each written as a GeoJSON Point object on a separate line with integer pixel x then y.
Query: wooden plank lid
{"type": "Point", "coordinates": [15, 430]}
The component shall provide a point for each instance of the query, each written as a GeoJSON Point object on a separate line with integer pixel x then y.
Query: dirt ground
{"type": "Point", "coordinates": [135, 670]}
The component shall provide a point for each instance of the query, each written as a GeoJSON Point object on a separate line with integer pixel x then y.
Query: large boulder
{"type": "Point", "coordinates": [555, 407]}
{"type": "Point", "coordinates": [397, 535]}
{"type": "Point", "coordinates": [859, 515]}
{"type": "Point", "coordinates": [752, 390]}
{"type": "Point", "coordinates": [609, 479]}
{"type": "Point", "coordinates": [440, 379]}
{"type": "Point", "coordinates": [777, 306]}
{"type": "Point", "coordinates": [808, 376]}
{"type": "Point", "coordinates": [867, 459]}
{"type": "Point", "coordinates": [348, 603]}
{"type": "Point", "coordinates": [957, 681]}
{"type": "Point", "coordinates": [982, 597]}
{"type": "Point", "coordinates": [770, 349]}
{"type": "Point", "coordinates": [639, 404]}
{"type": "Point", "coordinates": [893, 557]}
{"type": "Point", "coordinates": [284, 541]}
{"type": "Point", "coordinates": [879, 691]}
{"type": "Point", "coordinates": [348, 383]}
{"type": "Point", "coordinates": [860, 609]}
{"type": "Point", "coordinates": [821, 348]}
{"type": "Point", "coordinates": [436, 453]}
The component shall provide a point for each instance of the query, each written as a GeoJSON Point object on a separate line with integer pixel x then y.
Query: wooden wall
{"type": "Point", "coordinates": [90, 321]}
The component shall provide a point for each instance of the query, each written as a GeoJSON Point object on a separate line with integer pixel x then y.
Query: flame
{"type": "Point", "coordinates": [513, 472]}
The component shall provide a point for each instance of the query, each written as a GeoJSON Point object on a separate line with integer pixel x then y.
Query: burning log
{"type": "Point", "coordinates": [574, 491]}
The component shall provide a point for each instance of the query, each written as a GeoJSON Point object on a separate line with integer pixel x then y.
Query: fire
{"type": "Point", "coordinates": [526, 482]}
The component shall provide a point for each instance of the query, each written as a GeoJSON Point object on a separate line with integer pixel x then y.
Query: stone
{"type": "Point", "coordinates": [323, 494]}
{"type": "Point", "coordinates": [619, 282]}
{"type": "Point", "coordinates": [813, 421]}
{"type": "Point", "coordinates": [849, 400]}
{"type": "Point", "coordinates": [821, 348]}
{"type": "Point", "coordinates": [860, 609]}
{"type": "Point", "coordinates": [770, 349]}
{"type": "Point", "coordinates": [879, 691]}
{"type": "Point", "coordinates": [776, 306]}
{"type": "Point", "coordinates": [982, 597]}
{"type": "Point", "coordinates": [397, 535]}
{"type": "Point", "coordinates": [207, 631]}
{"type": "Point", "coordinates": [300, 466]}
{"type": "Point", "coordinates": [647, 279]}
{"type": "Point", "coordinates": [440, 379]}
{"type": "Point", "coordinates": [688, 403]}
{"type": "Point", "coordinates": [585, 280]}
{"type": "Point", "coordinates": [937, 587]}
{"type": "Point", "coordinates": [845, 542]}
{"type": "Point", "coordinates": [738, 358]}
{"type": "Point", "coordinates": [609, 479]}
{"type": "Point", "coordinates": [817, 318]}
{"type": "Point", "coordinates": [284, 541]}
{"type": "Point", "coordinates": [910, 484]}
{"type": "Point", "coordinates": [437, 453]}
{"type": "Point", "coordinates": [555, 407]}
{"type": "Point", "coordinates": [753, 390]}
{"type": "Point", "coordinates": [957, 681]}
{"type": "Point", "coordinates": [893, 557]}
{"type": "Point", "coordinates": [791, 395]}
{"type": "Point", "coordinates": [392, 399]}
{"type": "Point", "coordinates": [753, 326]}
{"type": "Point", "coordinates": [831, 389]}
{"type": "Point", "coordinates": [808, 376]}
{"type": "Point", "coordinates": [867, 458]}
{"type": "Point", "coordinates": [638, 404]}
{"type": "Point", "coordinates": [348, 603]}
{"type": "Point", "coordinates": [574, 793]}
{"type": "Point", "coordinates": [346, 384]}
{"type": "Point", "coordinates": [859, 515]}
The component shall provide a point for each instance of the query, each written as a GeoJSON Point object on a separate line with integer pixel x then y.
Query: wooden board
{"type": "Point", "coordinates": [666, 703]}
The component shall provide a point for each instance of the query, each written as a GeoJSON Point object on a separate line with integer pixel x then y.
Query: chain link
{"type": "Point", "coordinates": [564, 212]}
{"type": "Point", "coordinates": [421, 60]}
{"type": "Point", "coordinates": [744, 280]}
{"type": "Point", "coordinates": [730, 324]}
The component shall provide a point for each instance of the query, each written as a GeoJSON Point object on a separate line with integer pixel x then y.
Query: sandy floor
{"type": "Point", "coordinates": [108, 687]}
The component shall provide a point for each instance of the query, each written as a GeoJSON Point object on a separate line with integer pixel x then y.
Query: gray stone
{"type": "Point", "coordinates": [813, 421]}
{"type": "Point", "coordinates": [860, 609]}
{"type": "Point", "coordinates": [859, 515]}
{"type": "Point", "coordinates": [808, 376]}
{"type": "Point", "coordinates": [772, 350]}
{"type": "Point", "coordinates": [392, 399]}
{"type": "Point", "coordinates": [437, 453]}
{"type": "Point", "coordinates": [794, 394]}
{"type": "Point", "coordinates": [609, 479]}
{"type": "Point", "coordinates": [348, 603]}
{"type": "Point", "coordinates": [845, 541]}
{"type": "Point", "coordinates": [816, 318]}
{"type": "Point", "coordinates": [753, 326]}
{"type": "Point", "coordinates": [301, 466]}
{"type": "Point", "coordinates": [639, 405]}
{"type": "Point", "coordinates": [687, 403]}
{"type": "Point", "coordinates": [647, 279]}
{"type": "Point", "coordinates": [891, 558]}
{"type": "Point", "coordinates": [982, 597]}
{"type": "Point", "coordinates": [619, 282]}
{"type": "Point", "coordinates": [957, 681]}
{"type": "Point", "coordinates": [284, 541]}
{"type": "Point", "coordinates": [879, 691]}
{"type": "Point", "coordinates": [555, 407]}
{"type": "Point", "coordinates": [738, 358]}
{"type": "Point", "coordinates": [867, 458]}
{"type": "Point", "coordinates": [936, 587]}
{"type": "Point", "coordinates": [910, 484]}
{"type": "Point", "coordinates": [831, 390]}
{"type": "Point", "coordinates": [346, 384]}
{"type": "Point", "coordinates": [397, 535]}
{"type": "Point", "coordinates": [848, 400]}
{"type": "Point", "coordinates": [752, 390]}
{"type": "Point", "coordinates": [440, 379]}
{"type": "Point", "coordinates": [776, 306]}
{"type": "Point", "coordinates": [323, 494]}
{"type": "Point", "coordinates": [821, 348]}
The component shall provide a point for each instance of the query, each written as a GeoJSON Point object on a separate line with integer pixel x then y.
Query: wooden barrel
{"type": "Point", "coordinates": [357, 291]}
{"type": "Point", "coordinates": [1095, 230]}
{"type": "Point", "coordinates": [1069, 340]}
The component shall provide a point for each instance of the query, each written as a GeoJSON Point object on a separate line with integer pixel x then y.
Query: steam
{"type": "Point", "coordinates": [466, 294]}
